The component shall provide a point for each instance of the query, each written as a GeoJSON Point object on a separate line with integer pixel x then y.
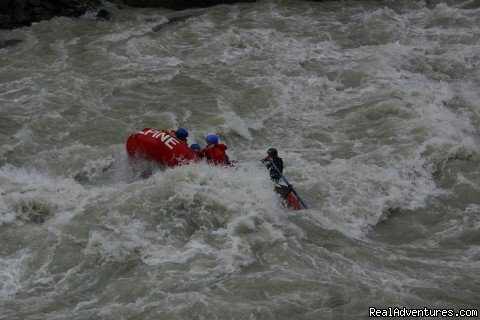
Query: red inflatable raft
{"type": "Point", "coordinates": [159, 145]}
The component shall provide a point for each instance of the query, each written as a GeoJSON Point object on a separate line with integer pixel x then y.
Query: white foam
{"type": "Point", "coordinates": [228, 201]}
{"type": "Point", "coordinates": [28, 195]}
{"type": "Point", "coordinates": [11, 271]}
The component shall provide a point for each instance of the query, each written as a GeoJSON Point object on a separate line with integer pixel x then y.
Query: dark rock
{"type": "Point", "coordinates": [19, 13]}
{"type": "Point", "coordinates": [19, 16]}
{"type": "Point", "coordinates": [21, 4]}
{"type": "Point", "coordinates": [4, 6]}
{"type": "Point", "coordinates": [46, 5]}
{"type": "Point", "coordinates": [9, 42]}
{"type": "Point", "coordinates": [179, 4]}
{"type": "Point", "coordinates": [103, 14]}
{"type": "Point", "coordinates": [40, 11]}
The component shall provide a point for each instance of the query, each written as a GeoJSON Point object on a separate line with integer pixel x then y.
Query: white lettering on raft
{"type": "Point", "coordinates": [171, 142]}
{"type": "Point", "coordinates": [167, 139]}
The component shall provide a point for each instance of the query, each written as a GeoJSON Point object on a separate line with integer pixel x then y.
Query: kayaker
{"type": "Point", "coordinates": [272, 156]}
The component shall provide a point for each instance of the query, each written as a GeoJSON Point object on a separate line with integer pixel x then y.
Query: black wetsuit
{"type": "Point", "coordinates": [283, 191]}
{"type": "Point", "coordinates": [273, 173]}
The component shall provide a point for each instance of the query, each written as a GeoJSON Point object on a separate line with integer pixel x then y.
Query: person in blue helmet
{"type": "Point", "coordinates": [196, 147]}
{"type": "Point", "coordinates": [214, 152]}
{"type": "Point", "coordinates": [181, 134]}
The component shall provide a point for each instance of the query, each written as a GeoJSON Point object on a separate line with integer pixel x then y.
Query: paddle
{"type": "Point", "coordinates": [288, 184]}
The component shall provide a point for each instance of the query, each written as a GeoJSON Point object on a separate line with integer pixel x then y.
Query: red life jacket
{"type": "Point", "coordinates": [215, 153]}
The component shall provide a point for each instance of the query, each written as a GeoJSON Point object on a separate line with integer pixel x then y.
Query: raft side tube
{"type": "Point", "coordinates": [160, 146]}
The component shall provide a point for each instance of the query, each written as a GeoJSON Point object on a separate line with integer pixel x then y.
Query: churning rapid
{"type": "Point", "coordinates": [373, 106]}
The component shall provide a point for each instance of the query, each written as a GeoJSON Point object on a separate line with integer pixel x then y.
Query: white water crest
{"type": "Point", "coordinates": [373, 107]}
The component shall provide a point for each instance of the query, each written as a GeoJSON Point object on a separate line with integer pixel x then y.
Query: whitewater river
{"type": "Point", "coordinates": [374, 108]}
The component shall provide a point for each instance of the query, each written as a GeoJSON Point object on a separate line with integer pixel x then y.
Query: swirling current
{"type": "Point", "coordinates": [373, 106]}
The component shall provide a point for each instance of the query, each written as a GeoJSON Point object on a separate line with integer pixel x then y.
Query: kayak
{"type": "Point", "coordinates": [292, 202]}
{"type": "Point", "coordinates": [289, 200]}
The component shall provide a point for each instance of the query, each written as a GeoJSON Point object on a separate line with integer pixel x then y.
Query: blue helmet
{"type": "Point", "coordinates": [212, 138]}
{"type": "Point", "coordinates": [182, 133]}
{"type": "Point", "coordinates": [195, 147]}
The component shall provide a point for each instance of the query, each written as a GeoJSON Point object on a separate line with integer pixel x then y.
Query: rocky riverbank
{"type": "Point", "coordinates": [179, 4]}
{"type": "Point", "coordinates": [20, 13]}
